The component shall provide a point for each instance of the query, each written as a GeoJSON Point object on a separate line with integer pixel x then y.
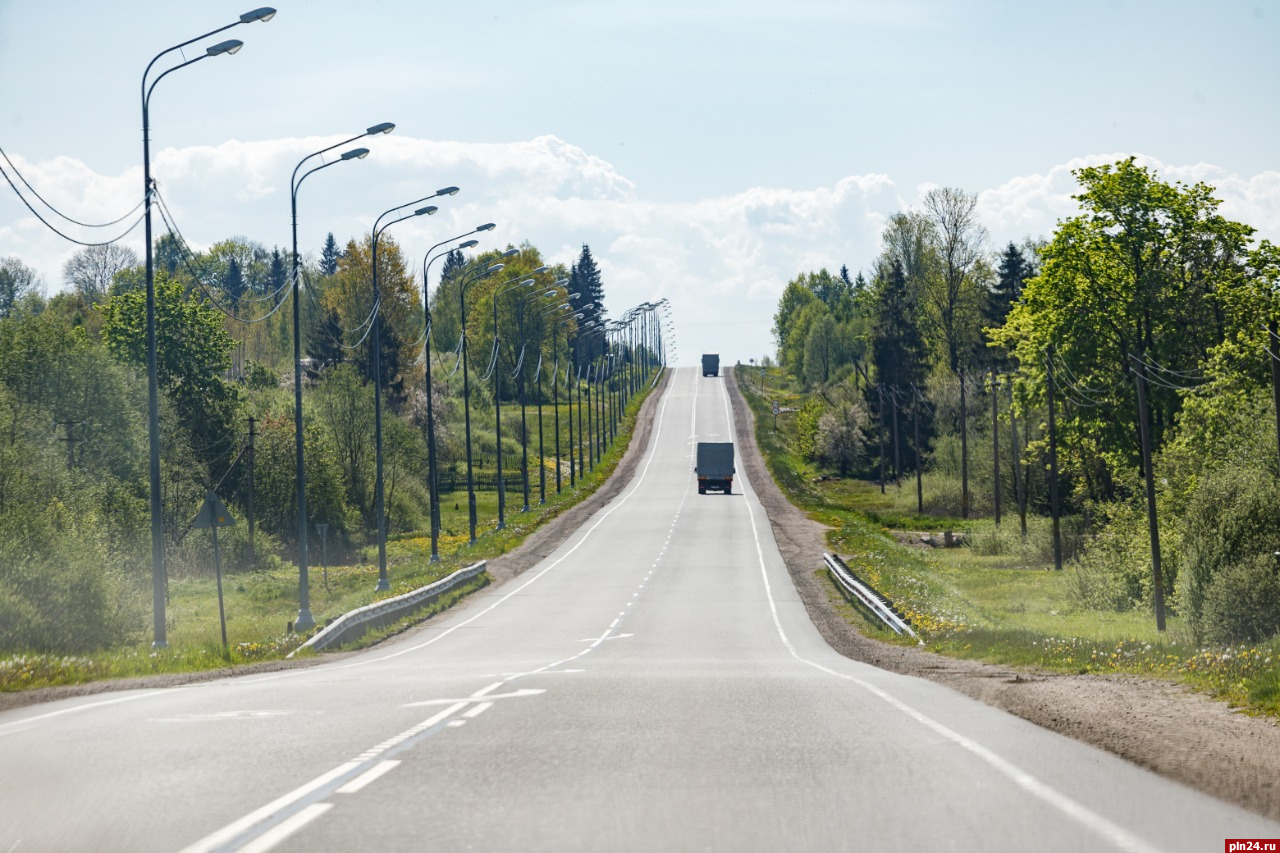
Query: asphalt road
{"type": "Point", "coordinates": [655, 684]}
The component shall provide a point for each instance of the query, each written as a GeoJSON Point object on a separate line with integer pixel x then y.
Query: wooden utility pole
{"type": "Point", "coordinates": [880, 440]}
{"type": "Point", "coordinates": [1272, 339]}
{"type": "Point", "coordinates": [249, 512]}
{"type": "Point", "coordinates": [1019, 493]}
{"type": "Point", "coordinates": [1053, 467]}
{"type": "Point", "coordinates": [897, 454]}
{"type": "Point", "coordinates": [995, 439]}
{"type": "Point", "coordinates": [915, 426]}
{"type": "Point", "coordinates": [1153, 525]}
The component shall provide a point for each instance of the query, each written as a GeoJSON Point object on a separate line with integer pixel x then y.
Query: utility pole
{"type": "Point", "coordinates": [995, 438]}
{"type": "Point", "coordinates": [1019, 493]}
{"type": "Point", "coordinates": [1153, 525]}
{"type": "Point", "coordinates": [70, 441]}
{"type": "Point", "coordinates": [1053, 467]}
{"type": "Point", "coordinates": [897, 452]}
{"type": "Point", "coordinates": [1272, 339]}
{"type": "Point", "coordinates": [915, 427]}
{"type": "Point", "coordinates": [249, 511]}
{"type": "Point", "coordinates": [880, 437]}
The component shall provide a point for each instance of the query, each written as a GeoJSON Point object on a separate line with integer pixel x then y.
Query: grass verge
{"type": "Point", "coordinates": [260, 606]}
{"type": "Point", "coordinates": [996, 599]}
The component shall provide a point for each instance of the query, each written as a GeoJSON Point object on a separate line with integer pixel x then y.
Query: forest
{"type": "Point", "coordinates": [1117, 377]}
{"type": "Point", "coordinates": [75, 520]}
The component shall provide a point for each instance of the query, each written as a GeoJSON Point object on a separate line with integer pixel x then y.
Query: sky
{"type": "Point", "coordinates": [707, 151]}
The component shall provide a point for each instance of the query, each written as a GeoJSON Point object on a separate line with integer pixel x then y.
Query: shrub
{"type": "Point", "coordinates": [1230, 531]}
{"type": "Point", "coordinates": [1243, 602]}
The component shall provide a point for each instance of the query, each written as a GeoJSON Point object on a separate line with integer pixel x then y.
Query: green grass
{"type": "Point", "coordinates": [260, 606]}
{"type": "Point", "coordinates": [997, 598]}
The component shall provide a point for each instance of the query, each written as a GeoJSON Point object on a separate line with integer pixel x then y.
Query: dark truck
{"type": "Point", "coordinates": [710, 364]}
{"type": "Point", "coordinates": [715, 466]}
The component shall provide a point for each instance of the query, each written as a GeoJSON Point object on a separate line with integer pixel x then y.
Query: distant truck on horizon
{"type": "Point", "coordinates": [710, 364]}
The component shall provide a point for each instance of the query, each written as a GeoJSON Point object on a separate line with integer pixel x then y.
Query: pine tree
{"type": "Point", "coordinates": [329, 256]}
{"type": "Point", "coordinates": [584, 279]}
{"type": "Point", "coordinates": [898, 348]}
{"type": "Point", "coordinates": [233, 283]}
{"type": "Point", "coordinates": [324, 344]}
{"type": "Point", "coordinates": [278, 273]}
{"type": "Point", "coordinates": [1012, 274]}
{"type": "Point", "coordinates": [453, 264]}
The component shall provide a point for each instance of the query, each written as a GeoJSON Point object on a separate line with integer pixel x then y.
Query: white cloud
{"type": "Point", "coordinates": [722, 260]}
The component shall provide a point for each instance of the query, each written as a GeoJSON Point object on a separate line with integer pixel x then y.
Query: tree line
{"type": "Point", "coordinates": [1147, 319]}
{"type": "Point", "coordinates": [73, 440]}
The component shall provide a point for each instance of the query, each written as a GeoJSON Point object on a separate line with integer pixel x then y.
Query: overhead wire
{"type": "Point", "coordinates": [55, 230]}
{"type": "Point", "coordinates": [49, 205]}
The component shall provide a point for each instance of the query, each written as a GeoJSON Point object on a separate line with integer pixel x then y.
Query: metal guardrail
{"type": "Point", "coordinates": [867, 596]}
{"type": "Point", "coordinates": [357, 623]}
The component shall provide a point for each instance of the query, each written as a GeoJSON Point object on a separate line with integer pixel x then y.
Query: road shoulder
{"type": "Point", "coordinates": [1158, 725]}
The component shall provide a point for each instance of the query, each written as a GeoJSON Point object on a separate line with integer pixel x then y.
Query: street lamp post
{"type": "Point", "coordinates": [379, 505]}
{"type": "Point", "coordinates": [433, 485]}
{"type": "Point", "coordinates": [153, 386]}
{"type": "Point", "coordinates": [305, 621]}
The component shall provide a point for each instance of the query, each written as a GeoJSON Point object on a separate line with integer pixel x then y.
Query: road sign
{"type": "Point", "coordinates": [214, 513]}
{"type": "Point", "coordinates": [775, 407]}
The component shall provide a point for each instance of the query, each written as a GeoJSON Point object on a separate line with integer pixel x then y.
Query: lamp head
{"type": "Point", "coordinates": [495, 268]}
{"type": "Point", "coordinates": [468, 244]}
{"type": "Point", "coordinates": [573, 295]}
{"type": "Point", "coordinates": [526, 282]}
{"type": "Point", "coordinates": [447, 191]}
{"type": "Point", "coordinates": [488, 226]}
{"type": "Point", "coordinates": [551, 293]}
{"type": "Point", "coordinates": [263, 14]}
{"type": "Point", "coordinates": [539, 271]}
{"type": "Point", "coordinates": [509, 253]}
{"type": "Point", "coordinates": [228, 47]}
{"type": "Point", "coordinates": [384, 127]}
{"type": "Point", "coordinates": [428, 210]}
{"type": "Point", "coordinates": [561, 282]}
{"type": "Point", "coordinates": [355, 154]}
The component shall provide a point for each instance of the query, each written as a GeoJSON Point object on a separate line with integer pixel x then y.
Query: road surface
{"type": "Point", "coordinates": [654, 684]}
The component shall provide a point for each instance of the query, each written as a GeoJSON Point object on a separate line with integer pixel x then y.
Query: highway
{"type": "Point", "coordinates": [654, 684]}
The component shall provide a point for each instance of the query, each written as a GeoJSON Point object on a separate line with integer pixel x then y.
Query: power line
{"type": "Point", "coordinates": [46, 203]}
{"type": "Point", "coordinates": [51, 227]}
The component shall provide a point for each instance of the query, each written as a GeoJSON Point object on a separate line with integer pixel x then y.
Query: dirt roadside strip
{"type": "Point", "coordinates": [535, 547]}
{"type": "Point", "coordinates": [1159, 725]}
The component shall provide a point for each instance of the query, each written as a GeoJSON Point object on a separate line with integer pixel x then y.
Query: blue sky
{"type": "Point", "coordinates": [707, 151]}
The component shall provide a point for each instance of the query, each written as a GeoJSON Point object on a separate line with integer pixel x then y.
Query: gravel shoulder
{"type": "Point", "coordinates": [1159, 725]}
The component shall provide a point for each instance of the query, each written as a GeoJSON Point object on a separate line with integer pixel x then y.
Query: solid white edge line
{"type": "Point", "coordinates": [285, 828]}
{"type": "Point", "coordinates": [374, 773]}
{"type": "Point", "coordinates": [229, 832]}
{"type": "Point", "coordinates": [1117, 835]}
{"type": "Point", "coordinates": [86, 707]}
{"type": "Point", "coordinates": [608, 511]}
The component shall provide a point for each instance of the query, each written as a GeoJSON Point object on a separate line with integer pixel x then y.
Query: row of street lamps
{"type": "Point", "coordinates": [633, 349]}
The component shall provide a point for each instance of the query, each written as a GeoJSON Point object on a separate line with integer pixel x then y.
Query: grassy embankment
{"type": "Point", "coordinates": [996, 599]}
{"type": "Point", "coordinates": [259, 605]}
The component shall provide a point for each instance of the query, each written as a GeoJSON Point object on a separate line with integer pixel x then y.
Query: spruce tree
{"type": "Point", "coordinates": [324, 343]}
{"type": "Point", "coordinates": [233, 283]}
{"type": "Point", "coordinates": [584, 279]}
{"type": "Point", "coordinates": [329, 256]}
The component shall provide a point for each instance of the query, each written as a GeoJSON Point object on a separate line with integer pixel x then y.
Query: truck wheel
{"type": "Point", "coordinates": [728, 490]}
{"type": "Point", "coordinates": [702, 491]}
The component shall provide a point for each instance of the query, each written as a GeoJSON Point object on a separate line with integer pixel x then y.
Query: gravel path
{"type": "Point", "coordinates": [1159, 725]}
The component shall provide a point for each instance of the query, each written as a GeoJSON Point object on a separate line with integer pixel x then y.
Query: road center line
{"type": "Point", "coordinates": [374, 773]}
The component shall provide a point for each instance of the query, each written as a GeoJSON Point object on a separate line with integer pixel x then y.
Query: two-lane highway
{"type": "Point", "coordinates": [654, 684]}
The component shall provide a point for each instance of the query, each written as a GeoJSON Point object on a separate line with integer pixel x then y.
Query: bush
{"type": "Point", "coordinates": [1230, 532]}
{"type": "Point", "coordinates": [1243, 602]}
